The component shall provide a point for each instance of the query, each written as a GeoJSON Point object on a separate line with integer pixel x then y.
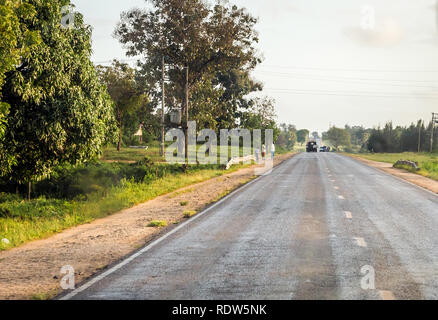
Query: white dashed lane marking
{"type": "Point", "coordinates": [341, 197]}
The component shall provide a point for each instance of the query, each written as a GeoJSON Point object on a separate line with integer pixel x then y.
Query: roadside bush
{"type": "Point", "coordinates": [6, 197]}
{"type": "Point", "coordinates": [81, 181]}
{"type": "Point", "coordinates": [41, 208]}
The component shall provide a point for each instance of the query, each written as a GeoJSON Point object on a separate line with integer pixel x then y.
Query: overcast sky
{"type": "Point", "coordinates": [327, 62]}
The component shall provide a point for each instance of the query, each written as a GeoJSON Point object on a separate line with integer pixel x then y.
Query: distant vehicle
{"type": "Point", "coordinates": [312, 146]}
{"type": "Point", "coordinates": [323, 149]}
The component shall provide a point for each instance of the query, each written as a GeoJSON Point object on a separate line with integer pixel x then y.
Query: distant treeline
{"type": "Point", "coordinates": [393, 139]}
{"type": "Point", "coordinates": [402, 139]}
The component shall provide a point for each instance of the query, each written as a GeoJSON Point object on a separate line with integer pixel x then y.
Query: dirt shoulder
{"type": "Point", "coordinates": [417, 179]}
{"type": "Point", "coordinates": [33, 270]}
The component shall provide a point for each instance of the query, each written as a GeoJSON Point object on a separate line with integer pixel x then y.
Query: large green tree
{"type": "Point", "coordinates": [16, 40]}
{"type": "Point", "coordinates": [124, 91]}
{"type": "Point", "coordinates": [261, 115]}
{"type": "Point", "coordinates": [215, 43]}
{"type": "Point", "coordinates": [338, 137]}
{"type": "Point", "coordinates": [302, 135]}
{"type": "Point", "coordinates": [287, 137]}
{"type": "Point", "coordinates": [58, 110]}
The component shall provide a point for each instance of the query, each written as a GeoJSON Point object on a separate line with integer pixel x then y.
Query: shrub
{"type": "Point", "coordinates": [157, 224]}
{"type": "Point", "coordinates": [189, 214]}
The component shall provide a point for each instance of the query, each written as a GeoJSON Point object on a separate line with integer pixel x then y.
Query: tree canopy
{"type": "Point", "coordinates": [261, 115]}
{"type": "Point", "coordinates": [215, 43]}
{"type": "Point", "coordinates": [16, 40]}
{"type": "Point", "coordinates": [402, 139]}
{"type": "Point", "coordinates": [287, 137]}
{"type": "Point", "coordinates": [58, 110]}
{"type": "Point", "coordinates": [124, 91]}
{"type": "Point", "coordinates": [302, 135]}
{"type": "Point", "coordinates": [338, 137]}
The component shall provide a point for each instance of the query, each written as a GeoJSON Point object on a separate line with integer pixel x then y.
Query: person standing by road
{"type": "Point", "coordinates": [263, 152]}
{"type": "Point", "coordinates": [272, 151]}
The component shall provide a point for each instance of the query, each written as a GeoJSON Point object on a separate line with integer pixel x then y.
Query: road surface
{"type": "Point", "coordinates": [318, 227]}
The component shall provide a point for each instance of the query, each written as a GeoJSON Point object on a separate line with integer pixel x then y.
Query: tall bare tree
{"type": "Point", "coordinates": [216, 44]}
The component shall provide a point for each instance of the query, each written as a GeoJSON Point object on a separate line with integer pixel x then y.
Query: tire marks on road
{"type": "Point", "coordinates": [315, 269]}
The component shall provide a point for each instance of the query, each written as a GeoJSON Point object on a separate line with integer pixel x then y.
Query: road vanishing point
{"type": "Point", "coordinates": [314, 228]}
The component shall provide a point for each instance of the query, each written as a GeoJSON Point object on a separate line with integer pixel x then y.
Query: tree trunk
{"type": "Point", "coordinates": [29, 189]}
{"type": "Point", "coordinates": [119, 144]}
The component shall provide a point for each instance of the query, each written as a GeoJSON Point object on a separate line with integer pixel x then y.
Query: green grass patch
{"type": "Point", "coordinates": [189, 214]}
{"type": "Point", "coordinates": [42, 296]}
{"type": "Point", "coordinates": [23, 221]}
{"type": "Point", "coordinates": [110, 154]}
{"type": "Point", "coordinates": [427, 162]}
{"type": "Point", "coordinates": [76, 195]}
{"type": "Point", "coordinates": [157, 224]}
{"type": "Point", "coordinates": [406, 167]}
{"type": "Point", "coordinates": [129, 154]}
{"type": "Point", "coordinates": [184, 203]}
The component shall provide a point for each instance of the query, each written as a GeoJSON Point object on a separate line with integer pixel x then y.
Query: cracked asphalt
{"type": "Point", "coordinates": [308, 230]}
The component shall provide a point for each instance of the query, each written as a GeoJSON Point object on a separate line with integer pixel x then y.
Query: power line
{"type": "Point", "coordinates": [350, 94]}
{"type": "Point", "coordinates": [322, 90]}
{"type": "Point", "coordinates": [310, 76]}
{"type": "Point", "coordinates": [350, 70]}
{"type": "Point", "coordinates": [354, 81]}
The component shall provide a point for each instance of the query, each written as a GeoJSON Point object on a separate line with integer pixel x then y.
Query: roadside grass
{"type": "Point", "coordinates": [126, 154]}
{"type": "Point", "coordinates": [300, 148]}
{"type": "Point", "coordinates": [23, 221]}
{"type": "Point", "coordinates": [183, 203]}
{"type": "Point", "coordinates": [80, 195]}
{"type": "Point", "coordinates": [111, 154]}
{"type": "Point", "coordinates": [42, 296]}
{"type": "Point", "coordinates": [189, 214]}
{"type": "Point", "coordinates": [178, 193]}
{"type": "Point", "coordinates": [157, 224]}
{"type": "Point", "coordinates": [427, 162]}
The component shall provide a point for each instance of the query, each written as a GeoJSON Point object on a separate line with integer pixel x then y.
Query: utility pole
{"type": "Point", "coordinates": [420, 126]}
{"type": "Point", "coordinates": [187, 112]}
{"type": "Point", "coordinates": [162, 110]}
{"type": "Point", "coordinates": [436, 15]}
{"type": "Point", "coordinates": [434, 120]}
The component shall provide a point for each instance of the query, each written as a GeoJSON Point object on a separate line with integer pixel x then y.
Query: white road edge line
{"type": "Point", "coordinates": [123, 263]}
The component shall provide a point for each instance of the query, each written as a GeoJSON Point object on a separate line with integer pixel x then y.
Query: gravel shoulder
{"type": "Point", "coordinates": [416, 179]}
{"type": "Point", "coordinates": [32, 271]}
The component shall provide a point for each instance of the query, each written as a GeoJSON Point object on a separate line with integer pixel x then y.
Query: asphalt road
{"type": "Point", "coordinates": [306, 231]}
